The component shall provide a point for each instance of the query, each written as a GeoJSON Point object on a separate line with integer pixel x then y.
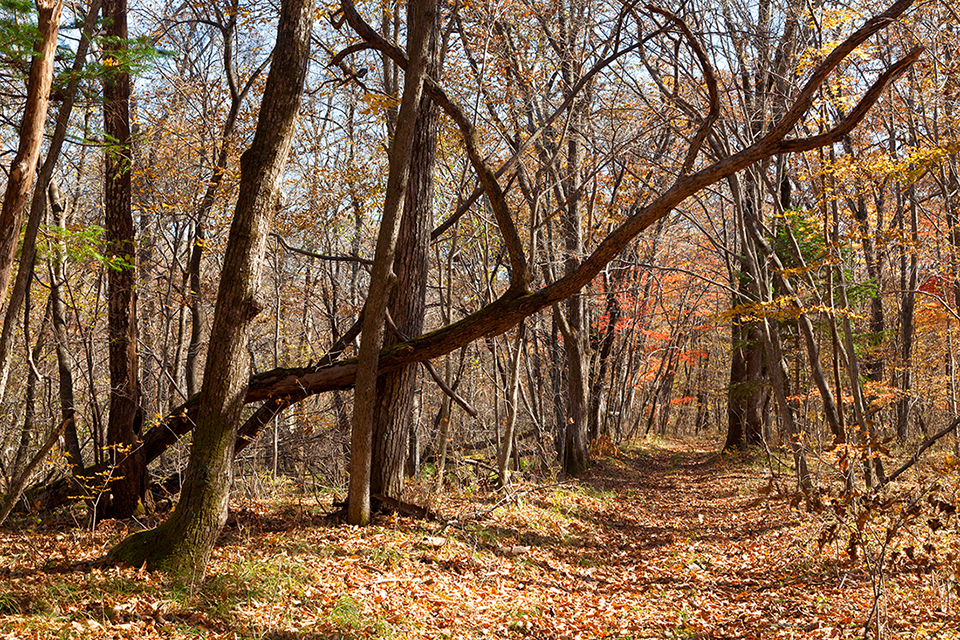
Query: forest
{"type": "Point", "coordinates": [527, 318]}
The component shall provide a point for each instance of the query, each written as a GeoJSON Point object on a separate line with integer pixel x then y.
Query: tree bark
{"type": "Point", "coordinates": [407, 304]}
{"type": "Point", "coordinates": [128, 471]}
{"type": "Point", "coordinates": [421, 24]}
{"type": "Point", "coordinates": [24, 163]}
{"type": "Point", "coordinates": [184, 542]}
{"type": "Point", "coordinates": [72, 450]}
{"type": "Point", "coordinates": [31, 137]}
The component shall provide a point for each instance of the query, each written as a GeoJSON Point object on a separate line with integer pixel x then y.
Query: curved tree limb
{"type": "Point", "coordinates": [709, 76]}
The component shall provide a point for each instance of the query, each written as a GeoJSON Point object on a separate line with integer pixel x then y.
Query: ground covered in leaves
{"type": "Point", "coordinates": [665, 541]}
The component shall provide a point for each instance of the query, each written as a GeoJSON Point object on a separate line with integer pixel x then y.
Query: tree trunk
{"type": "Point", "coordinates": [184, 542]}
{"type": "Point", "coordinates": [72, 450]}
{"type": "Point", "coordinates": [31, 137]}
{"type": "Point", "coordinates": [576, 338]}
{"type": "Point", "coordinates": [128, 469]}
{"type": "Point", "coordinates": [510, 430]}
{"type": "Point", "coordinates": [421, 22]}
{"type": "Point", "coordinates": [24, 163]}
{"type": "Point", "coordinates": [908, 284]}
{"type": "Point", "coordinates": [407, 304]}
{"type": "Point", "coordinates": [746, 398]}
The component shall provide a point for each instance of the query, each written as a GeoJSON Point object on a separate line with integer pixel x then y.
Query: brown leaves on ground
{"type": "Point", "coordinates": [672, 543]}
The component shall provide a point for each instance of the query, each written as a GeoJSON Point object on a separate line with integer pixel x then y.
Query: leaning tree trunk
{"type": "Point", "coordinates": [184, 542]}
{"type": "Point", "coordinates": [20, 180]}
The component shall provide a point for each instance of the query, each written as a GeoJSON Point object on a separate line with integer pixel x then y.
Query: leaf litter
{"type": "Point", "coordinates": [670, 542]}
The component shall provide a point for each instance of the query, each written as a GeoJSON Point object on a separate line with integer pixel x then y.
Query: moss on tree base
{"type": "Point", "coordinates": [154, 550]}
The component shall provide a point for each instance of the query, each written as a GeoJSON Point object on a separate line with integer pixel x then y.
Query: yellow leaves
{"type": "Point", "coordinates": [377, 103]}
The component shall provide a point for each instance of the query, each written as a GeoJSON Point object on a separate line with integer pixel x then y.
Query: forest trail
{"type": "Point", "coordinates": [664, 541]}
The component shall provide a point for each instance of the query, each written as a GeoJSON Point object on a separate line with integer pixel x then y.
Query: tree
{"type": "Point", "coordinates": [517, 299]}
{"type": "Point", "coordinates": [421, 27]}
{"type": "Point", "coordinates": [125, 418]}
{"type": "Point", "coordinates": [182, 544]}
{"type": "Point", "coordinates": [20, 180]}
{"type": "Point", "coordinates": [393, 421]}
{"type": "Point", "coordinates": [28, 250]}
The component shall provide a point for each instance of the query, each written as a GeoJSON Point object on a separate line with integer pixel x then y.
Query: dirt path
{"type": "Point", "coordinates": [671, 541]}
{"type": "Point", "coordinates": [716, 559]}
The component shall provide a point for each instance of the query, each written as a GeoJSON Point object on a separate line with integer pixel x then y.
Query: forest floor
{"type": "Point", "coordinates": [669, 540]}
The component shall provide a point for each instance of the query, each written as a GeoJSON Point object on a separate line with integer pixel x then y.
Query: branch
{"type": "Point", "coordinates": [709, 76]}
{"type": "Point", "coordinates": [520, 275]}
{"type": "Point", "coordinates": [488, 178]}
{"type": "Point", "coordinates": [912, 460]}
{"type": "Point", "coordinates": [433, 373]}
{"type": "Point", "coordinates": [320, 256]}
{"type": "Point", "coordinates": [856, 116]}
{"type": "Point", "coordinates": [805, 98]}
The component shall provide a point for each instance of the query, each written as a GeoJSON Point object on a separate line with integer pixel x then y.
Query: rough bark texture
{"type": "Point", "coordinates": [420, 24]}
{"type": "Point", "coordinates": [182, 544]}
{"type": "Point", "coordinates": [394, 412]}
{"type": "Point", "coordinates": [125, 419]}
{"type": "Point", "coordinates": [24, 163]}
